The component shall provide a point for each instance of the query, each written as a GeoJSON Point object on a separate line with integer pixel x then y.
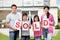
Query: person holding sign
{"type": "Point", "coordinates": [10, 22]}
{"type": "Point", "coordinates": [25, 32]}
{"type": "Point", "coordinates": [47, 20]}
{"type": "Point", "coordinates": [37, 28]}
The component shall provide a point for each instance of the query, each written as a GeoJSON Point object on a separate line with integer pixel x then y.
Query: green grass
{"type": "Point", "coordinates": [57, 37]}
{"type": "Point", "coordinates": [4, 37]}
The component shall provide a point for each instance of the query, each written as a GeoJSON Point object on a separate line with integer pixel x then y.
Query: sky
{"type": "Point", "coordinates": [58, 3]}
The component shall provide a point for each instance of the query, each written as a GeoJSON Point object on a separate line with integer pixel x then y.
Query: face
{"type": "Point", "coordinates": [14, 9]}
{"type": "Point", "coordinates": [24, 17]}
{"type": "Point", "coordinates": [46, 10]}
{"type": "Point", "coordinates": [36, 18]}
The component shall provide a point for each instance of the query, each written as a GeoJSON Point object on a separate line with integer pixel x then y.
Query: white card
{"type": "Point", "coordinates": [17, 25]}
{"type": "Point", "coordinates": [25, 25]}
{"type": "Point", "coordinates": [45, 23]}
{"type": "Point", "coordinates": [36, 26]}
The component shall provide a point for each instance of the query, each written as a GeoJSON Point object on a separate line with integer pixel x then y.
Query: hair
{"type": "Point", "coordinates": [35, 17]}
{"type": "Point", "coordinates": [31, 21]}
{"type": "Point", "coordinates": [47, 7]}
{"type": "Point", "coordinates": [47, 12]}
{"type": "Point", "coordinates": [13, 5]}
{"type": "Point", "coordinates": [24, 14]}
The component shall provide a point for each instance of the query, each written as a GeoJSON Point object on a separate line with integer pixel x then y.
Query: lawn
{"type": "Point", "coordinates": [57, 37]}
{"type": "Point", "coordinates": [4, 37]}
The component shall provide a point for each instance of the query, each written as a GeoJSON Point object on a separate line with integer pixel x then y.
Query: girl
{"type": "Point", "coordinates": [25, 33]}
{"type": "Point", "coordinates": [36, 28]}
{"type": "Point", "coordinates": [47, 30]}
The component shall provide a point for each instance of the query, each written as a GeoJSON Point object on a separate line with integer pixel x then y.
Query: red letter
{"type": "Point", "coordinates": [45, 22]}
{"type": "Point", "coordinates": [17, 24]}
{"type": "Point", "coordinates": [36, 27]}
{"type": "Point", "coordinates": [25, 25]}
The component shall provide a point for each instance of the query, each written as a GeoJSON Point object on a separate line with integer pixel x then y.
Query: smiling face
{"type": "Point", "coordinates": [36, 19]}
{"type": "Point", "coordinates": [14, 9]}
{"type": "Point", "coordinates": [25, 18]}
{"type": "Point", "coordinates": [46, 10]}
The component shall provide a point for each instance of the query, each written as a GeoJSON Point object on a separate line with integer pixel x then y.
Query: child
{"type": "Point", "coordinates": [25, 34]}
{"type": "Point", "coordinates": [36, 24]}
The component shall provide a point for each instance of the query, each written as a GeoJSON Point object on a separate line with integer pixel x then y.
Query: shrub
{"type": "Point", "coordinates": [57, 26]}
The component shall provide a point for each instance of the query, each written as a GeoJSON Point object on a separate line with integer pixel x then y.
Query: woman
{"type": "Point", "coordinates": [48, 27]}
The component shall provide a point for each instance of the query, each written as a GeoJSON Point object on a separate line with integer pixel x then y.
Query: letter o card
{"type": "Point", "coordinates": [25, 25]}
{"type": "Point", "coordinates": [17, 25]}
{"type": "Point", "coordinates": [36, 26]}
{"type": "Point", "coordinates": [45, 23]}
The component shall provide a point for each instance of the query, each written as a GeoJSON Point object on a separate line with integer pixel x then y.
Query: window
{"type": "Point", "coordinates": [47, 2]}
{"type": "Point", "coordinates": [33, 13]}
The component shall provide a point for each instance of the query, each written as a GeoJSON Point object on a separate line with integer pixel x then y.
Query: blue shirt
{"type": "Point", "coordinates": [11, 18]}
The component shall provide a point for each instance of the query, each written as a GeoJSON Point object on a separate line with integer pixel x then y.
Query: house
{"type": "Point", "coordinates": [32, 7]}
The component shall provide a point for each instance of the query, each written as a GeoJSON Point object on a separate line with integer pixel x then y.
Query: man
{"type": "Point", "coordinates": [10, 21]}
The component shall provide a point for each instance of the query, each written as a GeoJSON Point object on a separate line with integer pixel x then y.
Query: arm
{"type": "Point", "coordinates": [8, 25]}
{"type": "Point", "coordinates": [51, 22]}
{"type": "Point", "coordinates": [40, 25]}
{"type": "Point", "coordinates": [41, 22]}
{"type": "Point", "coordinates": [32, 26]}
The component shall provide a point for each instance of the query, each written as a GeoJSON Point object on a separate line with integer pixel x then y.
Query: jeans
{"type": "Point", "coordinates": [14, 35]}
{"type": "Point", "coordinates": [25, 37]}
{"type": "Point", "coordinates": [49, 37]}
{"type": "Point", "coordinates": [37, 38]}
{"type": "Point", "coordinates": [45, 33]}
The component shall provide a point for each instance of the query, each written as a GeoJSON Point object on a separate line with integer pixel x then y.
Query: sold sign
{"type": "Point", "coordinates": [17, 25]}
{"type": "Point", "coordinates": [45, 23]}
{"type": "Point", "coordinates": [25, 26]}
{"type": "Point", "coordinates": [36, 26]}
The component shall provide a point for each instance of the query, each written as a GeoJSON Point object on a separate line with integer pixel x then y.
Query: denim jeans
{"type": "Point", "coordinates": [49, 37]}
{"type": "Point", "coordinates": [45, 33]}
{"type": "Point", "coordinates": [25, 37]}
{"type": "Point", "coordinates": [14, 35]}
{"type": "Point", "coordinates": [37, 38]}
